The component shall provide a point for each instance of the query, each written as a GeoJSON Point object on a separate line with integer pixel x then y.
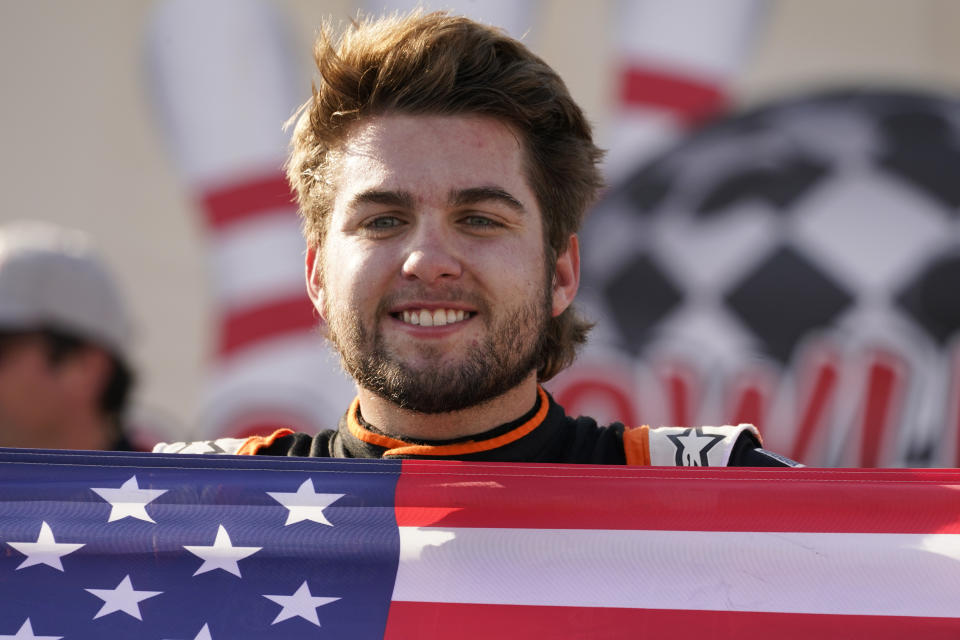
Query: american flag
{"type": "Point", "coordinates": [186, 547]}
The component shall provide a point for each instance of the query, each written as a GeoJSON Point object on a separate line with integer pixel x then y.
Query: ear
{"type": "Point", "coordinates": [314, 284]}
{"type": "Point", "coordinates": [566, 276]}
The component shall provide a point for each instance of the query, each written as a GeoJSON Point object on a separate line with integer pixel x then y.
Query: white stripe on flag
{"type": "Point", "coordinates": [885, 574]}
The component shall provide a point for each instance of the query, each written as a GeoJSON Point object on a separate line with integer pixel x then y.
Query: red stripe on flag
{"type": "Point", "coordinates": [460, 494]}
{"type": "Point", "coordinates": [691, 100]}
{"type": "Point", "coordinates": [266, 195]}
{"type": "Point", "coordinates": [246, 327]}
{"type": "Point", "coordinates": [429, 621]}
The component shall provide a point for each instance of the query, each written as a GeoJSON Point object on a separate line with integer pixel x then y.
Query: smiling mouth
{"type": "Point", "coordinates": [433, 317]}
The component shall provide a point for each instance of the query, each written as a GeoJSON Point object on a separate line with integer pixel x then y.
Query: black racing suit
{"type": "Point", "coordinates": [544, 434]}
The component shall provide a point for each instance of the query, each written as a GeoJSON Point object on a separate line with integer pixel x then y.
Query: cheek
{"type": "Point", "coordinates": [520, 262]}
{"type": "Point", "coordinates": [351, 275]}
{"type": "Point", "coordinates": [21, 385]}
{"type": "Point", "coordinates": [512, 278]}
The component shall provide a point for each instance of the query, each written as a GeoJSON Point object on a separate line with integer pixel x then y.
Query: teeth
{"type": "Point", "coordinates": [434, 318]}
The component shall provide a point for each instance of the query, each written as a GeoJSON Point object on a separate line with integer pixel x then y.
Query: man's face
{"type": "Point", "coordinates": [433, 279]}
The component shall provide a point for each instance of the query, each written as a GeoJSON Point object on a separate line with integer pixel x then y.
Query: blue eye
{"type": "Point", "coordinates": [480, 221]}
{"type": "Point", "coordinates": [384, 222]}
{"type": "Point", "coordinates": [382, 226]}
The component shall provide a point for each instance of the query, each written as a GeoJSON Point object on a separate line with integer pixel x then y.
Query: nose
{"type": "Point", "coordinates": [431, 257]}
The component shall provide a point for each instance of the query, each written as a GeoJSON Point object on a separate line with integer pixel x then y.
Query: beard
{"type": "Point", "coordinates": [505, 356]}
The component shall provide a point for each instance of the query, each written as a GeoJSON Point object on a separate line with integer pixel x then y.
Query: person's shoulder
{"type": "Point", "coordinates": [585, 441]}
{"type": "Point", "coordinates": [282, 442]}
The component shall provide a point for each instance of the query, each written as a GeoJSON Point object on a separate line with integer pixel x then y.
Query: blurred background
{"type": "Point", "coordinates": [779, 243]}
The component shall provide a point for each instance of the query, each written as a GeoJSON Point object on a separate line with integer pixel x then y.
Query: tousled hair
{"type": "Point", "coordinates": [440, 64]}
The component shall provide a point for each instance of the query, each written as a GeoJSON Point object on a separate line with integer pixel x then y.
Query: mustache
{"type": "Point", "coordinates": [432, 295]}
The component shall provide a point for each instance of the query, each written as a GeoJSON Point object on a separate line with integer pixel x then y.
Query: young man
{"type": "Point", "coordinates": [442, 171]}
{"type": "Point", "coordinates": [64, 338]}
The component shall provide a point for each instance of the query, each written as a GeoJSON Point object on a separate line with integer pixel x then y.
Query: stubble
{"type": "Point", "coordinates": [510, 349]}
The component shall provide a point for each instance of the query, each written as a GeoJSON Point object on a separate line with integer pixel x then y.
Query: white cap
{"type": "Point", "coordinates": [52, 278]}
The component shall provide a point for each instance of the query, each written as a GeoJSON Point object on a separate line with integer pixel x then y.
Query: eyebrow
{"type": "Point", "coordinates": [457, 198]}
{"type": "Point", "coordinates": [399, 199]}
{"type": "Point", "coordinates": [475, 195]}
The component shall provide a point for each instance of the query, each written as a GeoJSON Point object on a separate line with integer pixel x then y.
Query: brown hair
{"type": "Point", "coordinates": [449, 65]}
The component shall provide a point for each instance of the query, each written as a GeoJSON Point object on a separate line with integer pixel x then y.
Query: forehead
{"type": "Point", "coordinates": [429, 155]}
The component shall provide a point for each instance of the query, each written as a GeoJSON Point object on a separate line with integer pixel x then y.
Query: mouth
{"type": "Point", "coordinates": [432, 317]}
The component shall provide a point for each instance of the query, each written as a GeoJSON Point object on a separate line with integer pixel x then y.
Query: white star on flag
{"type": "Point", "coordinates": [204, 634]}
{"type": "Point", "coordinates": [122, 598]}
{"type": "Point", "coordinates": [221, 555]}
{"type": "Point", "coordinates": [301, 603]}
{"type": "Point", "coordinates": [129, 500]}
{"type": "Point", "coordinates": [306, 503]}
{"type": "Point", "coordinates": [45, 550]}
{"type": "Point", "coordinates": [26, 633]}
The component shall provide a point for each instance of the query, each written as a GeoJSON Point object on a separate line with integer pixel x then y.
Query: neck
{"type": "Point", "coordinates": [401, 423]}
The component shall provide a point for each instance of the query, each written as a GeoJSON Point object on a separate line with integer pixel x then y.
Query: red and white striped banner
{"type": "Point", "coordinates": [321, 547]}
{"type": "Point", "coordinates": [564, 552]}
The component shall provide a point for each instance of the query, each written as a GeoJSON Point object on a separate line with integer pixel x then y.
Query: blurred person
{"type": "Point", "coordinates": [442, 171]}
{"type": "Point", "coordinates": [65, 376]}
